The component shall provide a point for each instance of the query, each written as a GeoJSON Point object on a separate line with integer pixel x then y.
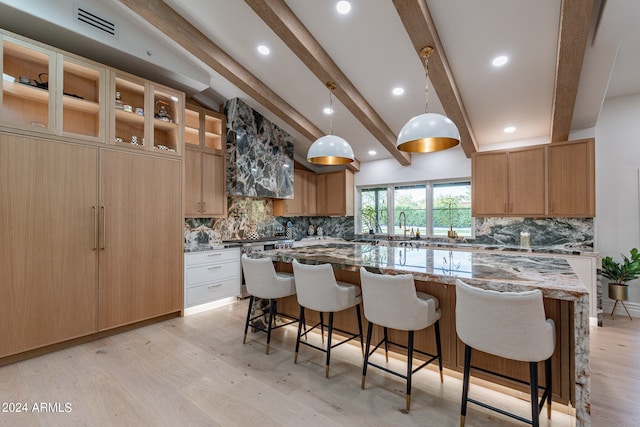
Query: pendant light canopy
{"type": "Point", "coordinates": [428, 132]}
{"type": "Point", "coordinates": [330, 149]}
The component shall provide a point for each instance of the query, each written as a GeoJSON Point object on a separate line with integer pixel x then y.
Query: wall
{"type": "Point", "coordinates": [617, 162]}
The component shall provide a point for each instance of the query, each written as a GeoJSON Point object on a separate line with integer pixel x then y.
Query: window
{"type": "Point", "coordinates": [412, 200]}
{"type": "Point", "coordinates": [373, 208]}
{"type": "Point", "coordinates": [452, 208]}
{"type": "Point", "coordinates": [433, 208]}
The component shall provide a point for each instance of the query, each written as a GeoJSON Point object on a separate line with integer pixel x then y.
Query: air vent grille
{"type": "Point", "coordinates": [95, 21]}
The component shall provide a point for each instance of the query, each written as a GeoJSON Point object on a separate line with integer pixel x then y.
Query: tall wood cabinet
{"type": "Point", "coordinates": [205, 194]}
{"type": "Point", "coordinates": [91, 223]}
{"type": "Point", "coordinates": [335, 193]}
{"type": "Point", "coordinates": [509, 182]}
{"type": "Point", "coordinates": [48, 225]}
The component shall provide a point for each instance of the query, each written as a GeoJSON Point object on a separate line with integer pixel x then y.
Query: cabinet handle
{"type": "Point", "coordinates": [95, 228]}
{"type": "Point", "coordinates": [505, 207]}
{"type": "Point", "coordinates": [104, 227]}
{"type": "Point", "coordinates": [215, 254]}
{"type": "Point", "coordinates": [198, 207]}
{"type": "Point", "coordinates": [511, 207]}
{"type": "Point", "coordinates": [214, 286]}
{"type": "Point", "coordinates": [214, 267]}
{"type": "Point", "coordinates": [204, 206]}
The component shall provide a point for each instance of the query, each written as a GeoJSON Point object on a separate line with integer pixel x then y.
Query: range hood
{"type": "Point", "coordinates": [259, 154]}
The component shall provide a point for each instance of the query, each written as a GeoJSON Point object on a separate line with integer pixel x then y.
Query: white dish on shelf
{"type": "Point", "coordinates": [8, 78]}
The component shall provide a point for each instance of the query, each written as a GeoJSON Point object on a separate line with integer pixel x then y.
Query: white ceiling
{"type": "Point", "coordinates": [372, 48]}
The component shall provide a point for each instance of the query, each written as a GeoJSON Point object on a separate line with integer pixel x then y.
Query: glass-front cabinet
{"type": "Point", "coordinates": [147, 116]}
{"type": "Point", "coordinates": [27, 100]}
{"type": "Point", "coordinates": [204, 129]}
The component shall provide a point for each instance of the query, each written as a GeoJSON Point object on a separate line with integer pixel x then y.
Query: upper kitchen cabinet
{"type": "Point", "coordinates": [205, 170]}
{"type": "Point", "coordinates": [304, 196]}
{"type": "Point", "coordinates": [204, 129]}
{"type": "Point", "coordinates": [571, 178]}
{"type": "Point", "coordinates": [508, 183]}
{"type": "Point", "coordinates": [45, 91]}
{"type": "Point", "coordinates": [146, 116]}
{"type": "Point", "coordinates": [335, 193]}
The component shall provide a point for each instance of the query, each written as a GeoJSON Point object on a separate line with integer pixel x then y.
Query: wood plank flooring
{"type": "Point", "coordinates": [195, 371]}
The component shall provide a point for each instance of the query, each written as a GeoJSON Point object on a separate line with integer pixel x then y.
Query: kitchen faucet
{"type": "Point", "coordinates": [402, 214]}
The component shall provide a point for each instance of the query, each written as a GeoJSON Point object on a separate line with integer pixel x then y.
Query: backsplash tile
{"type": "Point", "coordinates": [543, 231]}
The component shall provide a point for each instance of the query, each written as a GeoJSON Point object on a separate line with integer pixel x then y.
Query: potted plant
{"type": "Point", "coordinates": [368, 217]}
{"type": "Point", "coordinates": [620, 273]}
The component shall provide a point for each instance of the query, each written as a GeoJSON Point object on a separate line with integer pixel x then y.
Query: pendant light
{"type": "Point", "coordinates": [428, 132]}
{"type": "Point", "coordinates": [330, 149]}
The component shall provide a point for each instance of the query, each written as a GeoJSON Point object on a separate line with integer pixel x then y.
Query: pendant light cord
{"type": "Point", "coordinates": [425, 53]}
{"type": "Point", "coordinates": [331, 110]}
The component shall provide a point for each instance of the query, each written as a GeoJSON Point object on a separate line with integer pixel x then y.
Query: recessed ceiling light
{"type": "Point", "coordinates": [372, 152]}
{"type": "Point", "coordinates": [510, 129]}
{"type": "Point", "coordinates": [343, 7]}
{"type": "Point", "coordinates": [397, 91]}
{"type": "Point", "coordinates": [264, 50]}
{"type": "Point", "coordinates": [328, 110]}
{"type": "Point", "coordinates": [499, 61]}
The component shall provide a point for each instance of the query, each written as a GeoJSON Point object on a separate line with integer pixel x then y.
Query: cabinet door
{"type": "Point", "coordinates": [321, 195]}
{"type": "Point", "coordinates": [214, 198]}
{"type": "Point", "coordinates": [571, 170]}
{"type": "Point", "coordinates": [336, 202]}
{"type": "Point", "coordinates": [192, 183]}
{"type": "Point", "coordinates": [141, 224]}
{"type": "Point", "coordinates": [48, 201]}
{"type": "Point", "coordinates": [295, 206]}
{"type": "Point", "coordinates": [27, 105]}
{"type": "Point", "coordinates": [311, 195]}
{"type": "Point", "coordinates": [526, 182]}
{"type": "Point", "coordinates": [489, 184]}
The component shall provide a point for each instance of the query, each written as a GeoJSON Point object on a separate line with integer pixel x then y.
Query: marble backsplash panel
{"type": "Point", "coordinates": [342, 226]}
{"type": "Point", "coordinates": [543, 231]}
{"type": "Point", "coordinates": [259, 154]}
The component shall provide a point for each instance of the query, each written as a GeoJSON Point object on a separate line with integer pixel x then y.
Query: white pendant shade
{"type": "Point", "coordinates": [427, 133]}
{"type": "Point", "coordinates": [330, 150]}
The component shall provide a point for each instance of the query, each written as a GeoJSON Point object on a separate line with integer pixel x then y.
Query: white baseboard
{"type": "Point", "coordinates": [633, 307]}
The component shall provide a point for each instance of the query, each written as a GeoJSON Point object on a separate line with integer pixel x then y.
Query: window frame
{"type": "Point", "coordinates": [391, 205]}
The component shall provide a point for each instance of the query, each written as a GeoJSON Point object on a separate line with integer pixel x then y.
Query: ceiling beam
{"type": "Point", "coordinates": [283, 22]}
{"type": "Point", "coordinates": [575, 20]}
{"type": "Point", "coordinates": [416, 18]}
{"type": "Point", "coordinates": [181, 31]}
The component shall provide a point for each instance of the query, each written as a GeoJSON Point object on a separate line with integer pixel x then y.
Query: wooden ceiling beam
{"type": "Point", "coordinates": [575, 21]}
{"type": "Point", "coordinates": [171, 24]}
{"type": "Point", "coordinates": [417, 21]}
{"type": "Point", "coordinates": [283, 22]}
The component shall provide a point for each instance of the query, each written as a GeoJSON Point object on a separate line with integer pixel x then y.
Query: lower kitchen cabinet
{"type": "Point", "coordinates": [49, 262]}
{"type": "Point", "coordinates": [140, 237]}
{"type": "Point", "coordinates": [211, 275]}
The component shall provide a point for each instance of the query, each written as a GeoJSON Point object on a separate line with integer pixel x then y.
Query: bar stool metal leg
{"type": "Point", "coordinates": [547, 374]}
{"type": "Point", "coordinates": [409, 368]}
{"type": "Point", "coordinates": [366, 354]}
{"type": "Point", "coordinates": [535, 413]}
{"type": "Point", "coordinates": [272, 315]}
{"type": "Point", "coordinates": [301, 322]}
{"type": "Point", "coordinates": [322, 326]}
{"type": "Point", "coordinates": [246, 325]}
{"type": "Point", "coordinates": [386, 345]}
{"type": "Point", "coordinates": [436, 329]}
{"type": "Point", "coordinates": [465, 384]}
{"type": "Point", "coordinates": [326, 369]}
{"type": "Point", "coordinates": [360, 328]}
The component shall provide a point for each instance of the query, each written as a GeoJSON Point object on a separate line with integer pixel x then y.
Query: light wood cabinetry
{"type": "Point", "coordinates": [509, 183]}
{"type": "Point", "coordinates": [335, 193]}
{"type": "Point", "coordinates": [211, 275]}
{"type": "Point", "coordinates": [92, 229]}
{"type": "Point", "coordinates": [304, 197]}
{"type": "Point", "coordinates": [205, 173]}
{"type": "Point", "coordinates": [571, 171]}
{"type": "Point", "coordinates": [139, 237]}
{"type": "Point", "coordinates": [49, 262]}
{"type": "Point", "coordinates": [45, 91]}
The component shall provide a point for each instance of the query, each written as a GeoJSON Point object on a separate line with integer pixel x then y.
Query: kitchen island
{"type": "Point", "coordinates": [435, 271]}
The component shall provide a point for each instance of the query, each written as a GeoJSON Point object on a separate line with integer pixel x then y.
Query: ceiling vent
{"type": "Point", "coordinates": [91, 19]}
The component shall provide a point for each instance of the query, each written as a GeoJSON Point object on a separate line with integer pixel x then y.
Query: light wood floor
{"type": "Point", "coordinates": [194, 371]}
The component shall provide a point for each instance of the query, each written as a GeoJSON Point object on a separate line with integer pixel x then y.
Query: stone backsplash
{"type": "Point", "coordinates": [543, 231]}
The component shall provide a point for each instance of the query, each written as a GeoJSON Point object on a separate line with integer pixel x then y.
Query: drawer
{"type": "Point", "coordinates": [207, 257]}
{"type": "Point", "coordinates": [212, 291]}
{"type": "Point", "coordinates": [212, 272]}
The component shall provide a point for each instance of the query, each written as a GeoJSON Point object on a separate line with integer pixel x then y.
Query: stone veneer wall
{"type": "Point", "coordinates": [259, 154]}
{"type": "Point", "coordinates": [543, 231]}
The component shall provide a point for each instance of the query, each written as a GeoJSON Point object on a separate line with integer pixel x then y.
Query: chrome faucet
{"type": "Point", "coordinates": [403, 215]}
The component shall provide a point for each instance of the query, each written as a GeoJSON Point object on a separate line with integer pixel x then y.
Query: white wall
{"type": "Point", "coordinates": [617, 222]}
{"type": "Point", "coordinates": [451, 163]}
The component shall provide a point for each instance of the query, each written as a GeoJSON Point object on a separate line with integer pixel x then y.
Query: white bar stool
{"type": "Point", "coordinates": [392, 302]}
{"type": "Point", "coordinates": [317, 289]}
{"type": "Point", "coordinates": [510, 325]}
{"type": "Point", "coordinates": [263, 282]}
